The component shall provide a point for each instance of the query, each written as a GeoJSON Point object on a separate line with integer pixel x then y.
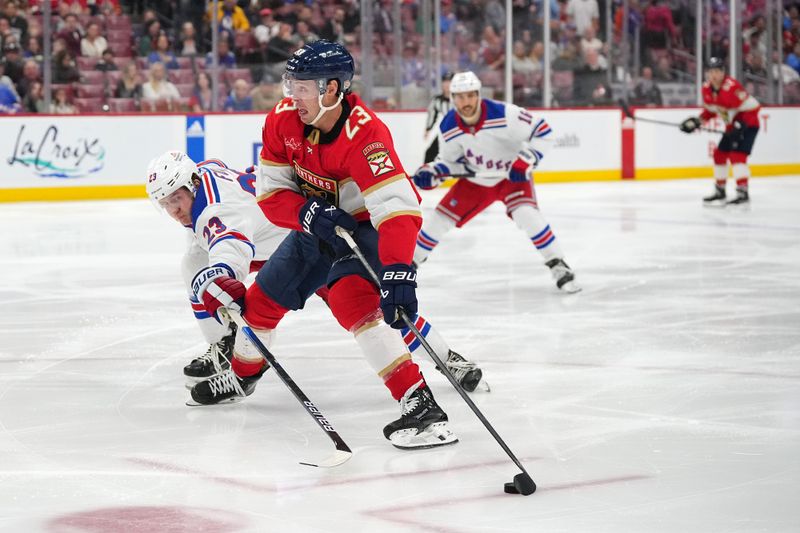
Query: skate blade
{"type": "Point", "coordinates": [715, 204]}
{"type": "Point", "coordinates": [437, 434]}
{"type": "Point", "coordinates": [236, 399]}
{"type": "Point", "coordinates": [571, 287]}
{"type": "Point", "coordinates": [484, 386]}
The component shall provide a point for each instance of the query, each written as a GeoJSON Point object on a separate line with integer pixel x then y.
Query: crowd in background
{"type": "Point", "coordinates": [154, 55]}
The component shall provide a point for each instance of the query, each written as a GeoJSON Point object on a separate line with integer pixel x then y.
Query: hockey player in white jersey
{"type": "Point", "coordinates": [494, 147]}
{"type": "Point", "coordinates": [228, 232]}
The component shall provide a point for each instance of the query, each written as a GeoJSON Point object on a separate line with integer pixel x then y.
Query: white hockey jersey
{"type": "Point", "coordinates": [491, 145]}
{"type": "Point", "coordinates": [227, 224]}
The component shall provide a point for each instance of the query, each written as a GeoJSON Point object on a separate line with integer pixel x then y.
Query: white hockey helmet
{"type": "Point", "coordinates": [465, 82]}
{"type": "Point", "coordinates": [169, 172]}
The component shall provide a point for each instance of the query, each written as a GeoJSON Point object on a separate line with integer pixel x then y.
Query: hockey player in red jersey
{"type": "Point", "coordinates": [328, 161]}
{"type": "Point", "coordinates": [725, 97]}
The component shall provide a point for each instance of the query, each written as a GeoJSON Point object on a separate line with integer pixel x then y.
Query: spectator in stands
{"type": "Point", "coordinates": [33, 50]}
{"type": "Point", "coordinates": [567, 58]}
{"type": "Point", "coordinates": [793, 59]}
{"type": "Point", "coordinates": [230, 17]}
{"type": "Point", "coordinates": [163, 53]}
{"type": "Point", "coordinates": [601, 95]}
{"type": "Point", "coordinates": [589, 41]}
{"type": "Point", "coordinates": [304, 34]}
{"type": "Point", "coordinates": [412, 66]}
{"type": "Point", "coordinates": [593, 61]}
{"type": "Point", "coordinates": [663, 70]}
{"type": "Point", "coordinates": [71, 34]}
{"type": "Point", "coordinates": [659, 28]}
{"type": "Point", "coordinates": [158, 87]}
{"type": "Point", "coordinates": [34, 100]}
{"type": "Point", "coordinates": [5, 80]}
{"type": "Point", "coordinates": [646, 91]}
{"type": "Point", "coordinates": [148, 41]}
{"type": "Point", "coordinates": [30, 74]}
{"type": "Point", "coordinates": [333, 30]}
{"type": "Point", "coordinates": [268, 28]}
{"type": "Point", "coordinates": [537, 55]}
{"type": "Point", "coordinates": [5, 32]}
{"type": "Point", "coordinates": [495, 15]}
{"type": "Point", "coordinates": [13, 59]}
{"type": "Point", "coordinates": [280, 47]}
{"type": "Point", "coordinates": [521, 62]}
{"type": "Point", "coordinates": [188, 45]}
{"type": "Point", "coordinates": [94, 44]}
{"type": "Point", "coordinates": [239, 99]}
{"type": "Point", "coordinates": [265, 96]}
{"type": "Point", "coordinates": [201, 95]}
{"type": "Point", "coordinates": [492, 49]}
{"type": "Point", "coordinates": [226, 59]}
{"type": "Point", "coordinates": [17, 22]}
{"type": "Point", "coordinates": [584, 14]}
{"type": "Point", "coordinates": [128, 85]}
{"type": "Point", "coordinates": [9, 101]}
{"type": "Point", "coordinates": [65, 69]}
{"type": "Point", "coordinates": [754, 65]}
{"type": "Point", "coordinates": [106, 63]}
{"type": "Point", "coordinates": [61, 104]}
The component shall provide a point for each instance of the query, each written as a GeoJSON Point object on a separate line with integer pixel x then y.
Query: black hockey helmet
{"type": "Point", "coordinates": [448, 75]}
{"type": "Point", "coordinates": [715, 62]}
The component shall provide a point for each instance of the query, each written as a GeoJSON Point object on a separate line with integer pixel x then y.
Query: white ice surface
{"type": "Point", "coordinates": [665, 397]}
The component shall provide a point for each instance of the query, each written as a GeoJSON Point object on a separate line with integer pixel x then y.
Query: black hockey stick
{"type": "Point", "coordinates": [629, 114]}
{"type": "Point", "coordinates": [343, 452]}
{"type": "Point", "coordinates": [522, 484]}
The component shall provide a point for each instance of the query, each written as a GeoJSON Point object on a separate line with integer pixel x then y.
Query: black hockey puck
{"type": "Point", "coordinates": [509, 488]}
{"type": "Point", "coordinates": [522, 484]}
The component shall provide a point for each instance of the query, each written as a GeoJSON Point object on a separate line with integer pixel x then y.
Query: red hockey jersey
{"type": "Point", "coordinates": [354, 166]}
{"type": "Point", "coordinates": [731, 102]}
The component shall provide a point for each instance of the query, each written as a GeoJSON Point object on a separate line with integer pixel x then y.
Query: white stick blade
{"type": "Point", "coordinates": [339, 457]}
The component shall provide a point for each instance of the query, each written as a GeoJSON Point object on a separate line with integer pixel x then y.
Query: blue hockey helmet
{"type": "Point", "coordinates": [321, 61]}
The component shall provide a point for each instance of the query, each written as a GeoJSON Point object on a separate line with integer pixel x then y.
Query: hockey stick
{"type": "Point", "coordinates": [523, 484]}
{"type": "Point", "coordinates": [486, 174]}
{"type": "Point", "coordinates": [343, 452]}
{"type": "Point", "coordinates": [629, 114]}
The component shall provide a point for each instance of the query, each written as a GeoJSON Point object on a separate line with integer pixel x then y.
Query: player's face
{"type": "Point", "coordinates": [305, 95]}
{"type": "Point", "coordinates": [178, 205]}
{"type": "Point", "coordinates": [715, 76]}
{"type": "Point", "coordinates": [466, 103]}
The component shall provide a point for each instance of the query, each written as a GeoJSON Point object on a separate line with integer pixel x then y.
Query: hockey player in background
{"type": "Point", "coordinates": [227, 231]}
{"type": "Point", "coordinates": [482, 136]}
{"type": "Point", "coordinates": [725, 97]}
{"type": "Point", "coordinates": [327, 161]}
{"type": "Point", "coordinates": [437, 109]}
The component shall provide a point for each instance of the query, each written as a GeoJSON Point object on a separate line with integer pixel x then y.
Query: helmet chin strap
{"type": "Point", "coordinates": [323, 109]}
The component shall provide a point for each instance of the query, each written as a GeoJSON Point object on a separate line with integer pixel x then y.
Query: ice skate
{"type": "Point", "coordinates": [422, 423]}
{"type": "Point", "coordinates": [742, 198]}
{"type": "Point", "coordinates": [225, 387]}
{"type": "Point", "coordinates": [564, 276]}
{"type": "Point", "coordinates": [717, 199]}
{"type": "Point", "coordinates": [466, 372]}
{"type": "Point", "coordinates": [216, 359]}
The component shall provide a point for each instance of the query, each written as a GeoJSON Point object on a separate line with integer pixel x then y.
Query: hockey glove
{"type": "Point", "coordinates": [690, 124]}
{"type": "Point", "coordinates": [398, 290]}
{"type": "Point", "coordinates": [527, 160]}
{"type": "Point", "coordinates": [215, 287]}
{"type": "Point", "coordinates": [430, 176]}
{"type": "Point", "coordinates": [320, 218]}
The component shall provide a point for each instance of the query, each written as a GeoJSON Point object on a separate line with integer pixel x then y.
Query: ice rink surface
{"type": "Point", "coordinates": [665, 397]}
